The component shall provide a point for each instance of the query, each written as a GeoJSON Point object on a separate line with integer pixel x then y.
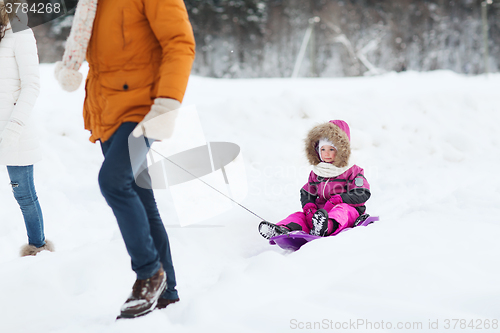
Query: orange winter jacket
{"type": "Point", "coordinates": [139, 50]}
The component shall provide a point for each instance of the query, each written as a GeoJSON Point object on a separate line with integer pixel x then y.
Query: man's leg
{"type": "Point", "coordinates": [160, 239]}
{"type": "Point", "coordinates": [116, 181]}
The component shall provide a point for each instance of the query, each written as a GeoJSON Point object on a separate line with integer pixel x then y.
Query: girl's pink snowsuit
{"type": "Point", "coordinates": [324, 188]}
{"type": "Point", "coordinates": [351, 185]}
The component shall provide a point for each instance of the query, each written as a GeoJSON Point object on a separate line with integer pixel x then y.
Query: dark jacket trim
{"type": "Point", "coordinates": [306, 197]}
{"type": "Point", "coordinates": [356, 196]}
{"type": "Point", "coordinates": [326, 179]}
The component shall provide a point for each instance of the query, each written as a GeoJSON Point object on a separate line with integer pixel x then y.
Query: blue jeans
{"type": "Point", "coordinates": [23, 186]}
{"type": "Point", "coordinates": [135, 208]}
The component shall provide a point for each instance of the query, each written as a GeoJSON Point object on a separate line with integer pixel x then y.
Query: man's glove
{"type": "Point", "coordinates": [332, 202]}
{"type": "Point", "coordinates": [309, 209]}
{"type": "Point", "coordinates": [159, 123]}
{"type": "Point", "coordinates": [10, 135]}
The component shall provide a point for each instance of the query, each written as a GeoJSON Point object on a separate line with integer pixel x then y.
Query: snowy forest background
{"type": "Point", "coordinates": [261, 38]}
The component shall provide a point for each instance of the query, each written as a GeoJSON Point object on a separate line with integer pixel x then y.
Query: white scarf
{"type": "Point", "coordinates": [66, 71]}
{"type": "Point", "coordinates": [328, 170]}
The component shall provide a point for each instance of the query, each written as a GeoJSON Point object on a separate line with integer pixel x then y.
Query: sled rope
{"type": "Point", "coordinates": [248, 210]}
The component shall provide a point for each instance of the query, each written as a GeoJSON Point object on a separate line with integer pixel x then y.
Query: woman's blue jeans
{"type": "Point", "coordinates": [23, 186]}
{"type": "Point", "coordinates": [135, 208]}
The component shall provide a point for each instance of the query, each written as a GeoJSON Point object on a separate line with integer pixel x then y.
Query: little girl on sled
{"type": "Point", "coordinates": [336, 192]}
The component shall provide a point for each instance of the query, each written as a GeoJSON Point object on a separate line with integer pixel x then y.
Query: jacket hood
{"type": "Point", "coordinates": [336, 131]}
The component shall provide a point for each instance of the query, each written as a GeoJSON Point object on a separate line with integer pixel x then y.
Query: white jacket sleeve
{"type": "Point", "coordinates": [26, 55]}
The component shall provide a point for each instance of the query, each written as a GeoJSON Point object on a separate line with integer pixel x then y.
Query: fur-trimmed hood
{"type": "Point", "coordinates": [336, 131]}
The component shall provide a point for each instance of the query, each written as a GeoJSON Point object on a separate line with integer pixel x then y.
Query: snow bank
{"type": "Point", "coordinates": [427, 141]}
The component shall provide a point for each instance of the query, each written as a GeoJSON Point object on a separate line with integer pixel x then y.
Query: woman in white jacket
{"type": "Point", "coordinates": [19, 150]}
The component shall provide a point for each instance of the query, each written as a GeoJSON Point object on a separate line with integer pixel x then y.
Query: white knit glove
{"type": "Point", "coordinates": [159, 123]}
{"type": "Point", "coordinates": [10, 135]}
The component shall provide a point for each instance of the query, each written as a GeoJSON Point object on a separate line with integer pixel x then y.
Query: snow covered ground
{"type": "Point", "coordinates": [428, 142]}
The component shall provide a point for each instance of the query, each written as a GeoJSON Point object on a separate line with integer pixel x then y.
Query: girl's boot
{"type": "Point", "coordinates": [323, 225]}
{"type": "Point", "coordinates": [268, 229]}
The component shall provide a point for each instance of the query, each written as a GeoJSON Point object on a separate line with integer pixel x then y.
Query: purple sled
{"type": "Point", "coordinates": [295, 239]}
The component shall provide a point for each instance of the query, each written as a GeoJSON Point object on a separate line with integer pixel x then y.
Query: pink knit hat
{"type": "Point", "coordinates": [343, 126]}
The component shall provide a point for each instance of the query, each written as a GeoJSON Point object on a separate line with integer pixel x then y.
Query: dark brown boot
{"type": "Point", "coordinates": [163, 303]}
{"type": "Point", "coordinates": [145, 294]}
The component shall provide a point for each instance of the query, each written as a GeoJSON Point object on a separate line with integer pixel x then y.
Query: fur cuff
{"type": "Point", "coordinates": [69, 79]}
{"type": "Point", "coordinates": [31, 250]}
